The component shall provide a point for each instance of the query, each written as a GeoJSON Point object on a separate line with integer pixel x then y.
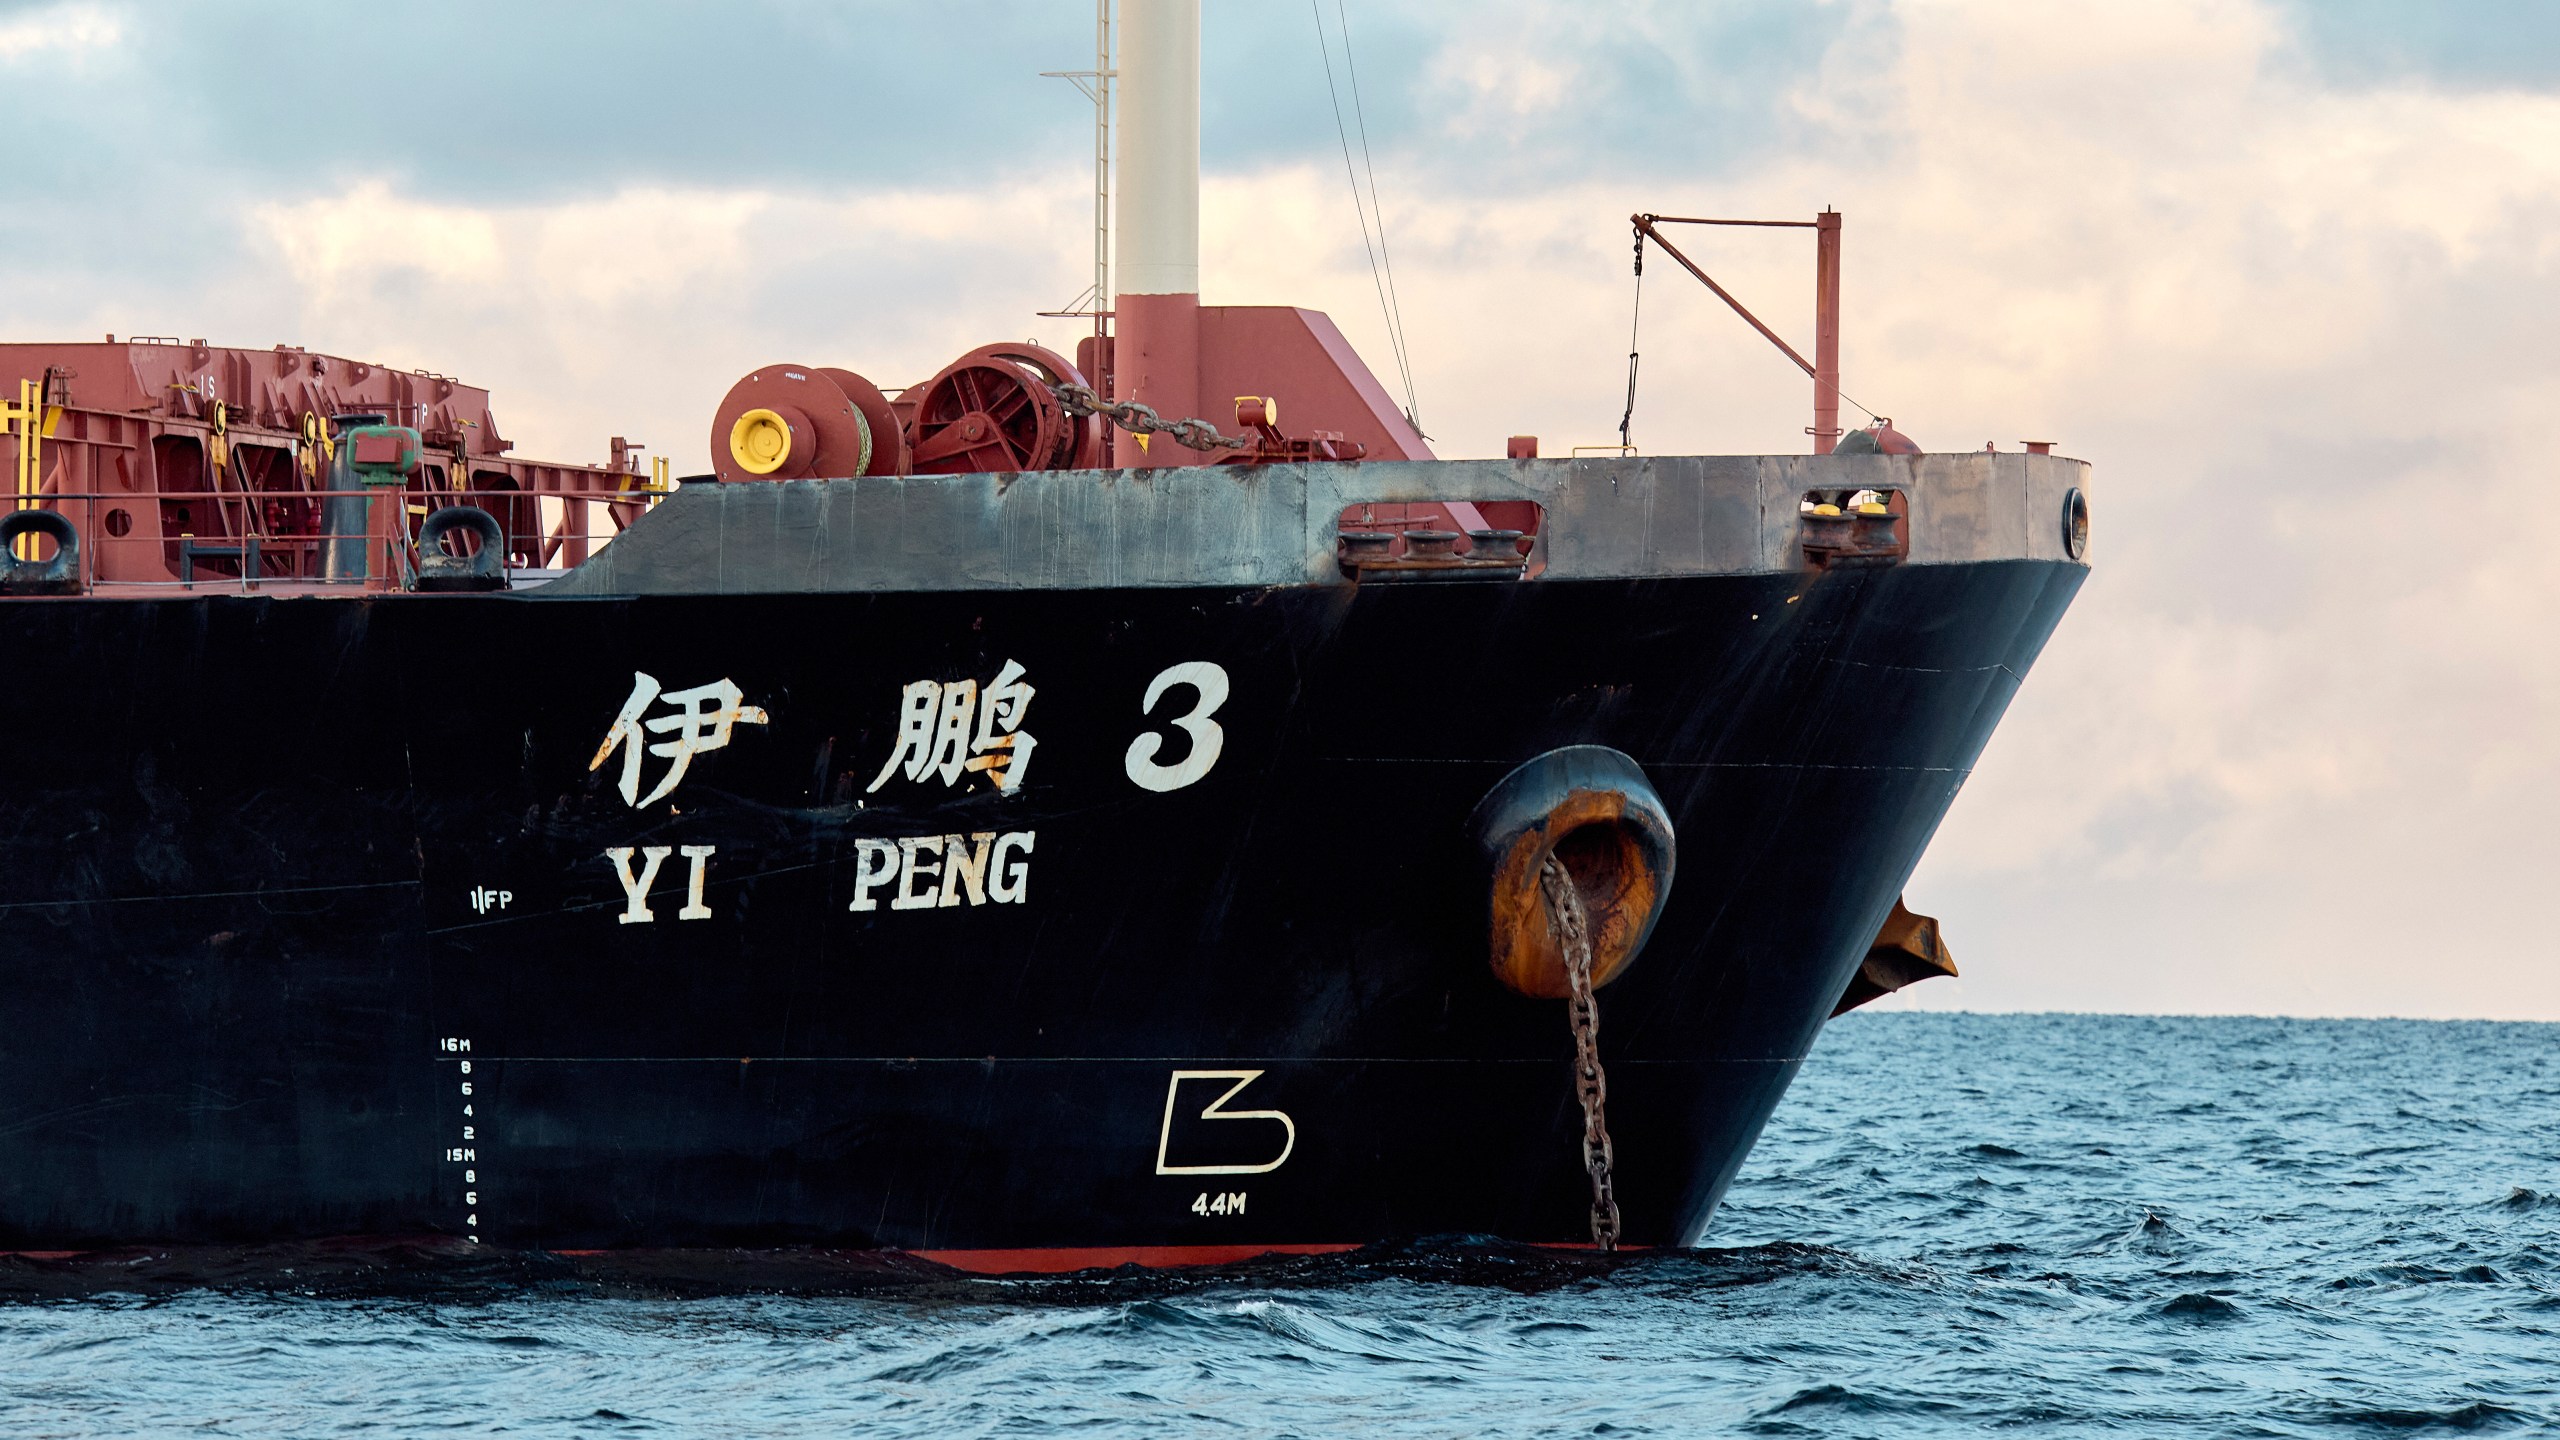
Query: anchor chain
{"type": "Point", "coordinates": [1590, 1083]}
{"type": "Point", "coordinates": [1138, 419]}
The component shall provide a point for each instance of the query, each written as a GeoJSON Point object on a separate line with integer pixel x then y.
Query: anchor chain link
{"type": "Point", "coordinates": [1138, 419]}
{"type": "Point", "coordinates": [1590, 1083]}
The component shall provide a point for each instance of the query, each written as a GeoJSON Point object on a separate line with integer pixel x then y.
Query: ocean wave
{"type": "Point", "coordinates": [2281, 1228]}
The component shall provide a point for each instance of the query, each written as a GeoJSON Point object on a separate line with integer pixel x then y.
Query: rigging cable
{"type": "Point", "coordinates": [1395, 304]}
{"type": "Point", "coordinates": [1382, 278]}
{"type": "Point", "coordinates": [1637, 319]}
{"type": "Point", "coordinates": [1628, 418]}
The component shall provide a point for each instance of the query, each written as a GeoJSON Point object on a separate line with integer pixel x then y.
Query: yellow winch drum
{"type": "Point", "coordinates": [760, 442]}
{"type": "Point", "coordinates": [804, 422]}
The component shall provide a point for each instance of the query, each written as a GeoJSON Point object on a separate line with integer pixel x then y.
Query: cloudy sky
{"type": "Point", "coordinates": [2285, 272]}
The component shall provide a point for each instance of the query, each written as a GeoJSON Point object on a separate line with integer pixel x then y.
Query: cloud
{"type": "Point", "coordinates": [2288, 751]}
{"type": "Point", "coordinates": [58, 32]}
{"type": "Point", "coordinates": [632, 313]}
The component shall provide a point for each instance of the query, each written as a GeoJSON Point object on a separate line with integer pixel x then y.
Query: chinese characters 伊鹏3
{"type": "Point", "coordinates": [703, 719]}
{"type": "Point", "coordinates": [951, 728]}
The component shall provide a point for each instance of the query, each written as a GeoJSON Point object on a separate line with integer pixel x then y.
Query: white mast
{"type": "Point", "coordinates": [1160, 147]}
{"type": "Point", "coordinates": [1157, 305]}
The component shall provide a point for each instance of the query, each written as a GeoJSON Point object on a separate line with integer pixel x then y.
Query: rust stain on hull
{"type": "Point", "coordinates": [1592, 834]}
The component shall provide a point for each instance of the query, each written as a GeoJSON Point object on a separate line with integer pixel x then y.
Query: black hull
{"type": "Point", "coordinates": [249, 856]}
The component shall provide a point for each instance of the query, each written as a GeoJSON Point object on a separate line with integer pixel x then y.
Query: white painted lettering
{"type": "Point", "coordinates": [965, 866]}
{"type": "Point", "coordinates": [950, 728]}
{"type": "Point", "coordinates": [951, 732]}
{"type": "Point", "coordinates": [936, 872]}
{"type": "Point", "coordinates": [1004, 757]}
{"type": "Point", "coordinates": [704, 717]}
{"type": "Point", "coordinates": [1207, 737]}
{"type": "Point", "coordinates": [700, 855]}
{"type": "Point", "coordinates": [636, 891]}
{"type": "Point", "coordinates": [867, 875]}
{"type": "Point", "coordinates": [917, 706]}
{"type": "Point", "coordinates": [909, 847]}
{"type": "Point", "coordinates": [1009, 883]}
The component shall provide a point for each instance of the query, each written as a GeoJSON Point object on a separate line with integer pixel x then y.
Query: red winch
{"type": "Point", "coordinates": [1017, 406]}
{"type": "Point", "coordinates": [1000, 408]}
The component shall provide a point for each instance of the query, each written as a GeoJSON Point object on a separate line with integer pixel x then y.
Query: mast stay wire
{"type": "Point", "coordinates": [1633, 323]}
{"type": "Point", "coordinates": [1381, 278]}
{"type": "Point", "coordinates": [1395, 303]}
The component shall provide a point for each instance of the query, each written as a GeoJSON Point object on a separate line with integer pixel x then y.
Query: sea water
{"type": "Point", "coordinates": [1954, 1225]}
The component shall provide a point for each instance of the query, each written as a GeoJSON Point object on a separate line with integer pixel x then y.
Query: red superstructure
{"type": "Point", "coordinates": [177, 460]}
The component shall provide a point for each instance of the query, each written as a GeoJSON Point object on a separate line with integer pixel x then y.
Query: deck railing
{"type": "Point", "coordinates": [291, 540]}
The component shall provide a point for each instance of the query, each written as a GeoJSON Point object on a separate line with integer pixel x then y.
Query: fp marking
{"type": "Point", "coordinates": [484, 899]}
{"type": "Point", "coordinates": [1215, 1110]}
